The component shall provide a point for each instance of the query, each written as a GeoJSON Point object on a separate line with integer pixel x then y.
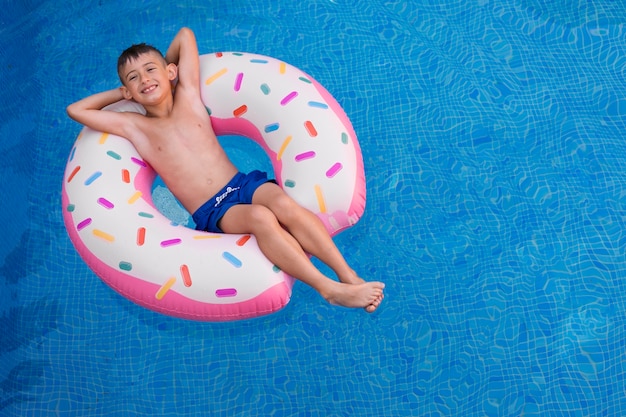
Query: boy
{"type": "Point", "coordinates": [176, 138]}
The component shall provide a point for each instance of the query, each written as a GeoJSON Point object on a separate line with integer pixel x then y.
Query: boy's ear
{"type": "Point", "coordinates": [172, 71]}
{"type": "Point", "coordinates": [127, 95]}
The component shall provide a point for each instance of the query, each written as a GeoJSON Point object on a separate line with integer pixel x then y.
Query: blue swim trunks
{"type": "Point", "coordinates": [239, 190]}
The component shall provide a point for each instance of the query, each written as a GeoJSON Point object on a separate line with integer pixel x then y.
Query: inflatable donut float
{"type": "Point", "coordinates": [117, 230]}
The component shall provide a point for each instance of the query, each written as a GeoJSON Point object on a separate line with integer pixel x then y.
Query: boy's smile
{"type": "Point", "coordinates": [149, 89]}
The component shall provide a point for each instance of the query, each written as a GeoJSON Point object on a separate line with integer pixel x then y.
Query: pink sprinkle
{"type": "Point", "coordinates": [288, 98]}
{"type": "Point", "coordinates": [138, 161]}
{"type": "Point", "coordinates": [83, 224]}
{"type": "Point", "coordinates": [226, 292]}
{"type": "Point", "coordinates": [170, 242]}
{"type": "Point", "coordinates": [105, 203]}
{"type": "Point", "coordinates": [238, 81]}
{"type": "Point", "coordinates": [334, 169]}
{"type": "Point", "coordinates": [305, 155]}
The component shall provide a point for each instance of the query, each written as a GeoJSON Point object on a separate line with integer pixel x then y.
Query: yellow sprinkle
{"type": "Point", "coordinates": [103, 235]}
{"type": "Point", "coordinates": [282, 68]}
{"type": "Point", "coordinates": [80, 135]}
{"type": "Point", "coordinates": [216, 76]}
{"type": "Point", "coordinates": [134, 197]}
{"type": "Point", "coordinates": [207, 236]}
{"type": "Point", "coordinates": [103, 138]}
{"type": "Point", "coordinates": [320, 198]}
{"type": "Point", "coordinates": [283, 147]}
{"type": "Point", "coordinates": [165, 288]}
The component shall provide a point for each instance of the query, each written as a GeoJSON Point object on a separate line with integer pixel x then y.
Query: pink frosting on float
{"type": "Point", "coordinates": [270, 296]}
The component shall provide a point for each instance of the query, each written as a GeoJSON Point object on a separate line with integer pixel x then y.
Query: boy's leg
{"type": "Point", "coordinates": [281, 248]}
{"type": "Point", "coordinates": [307, 229]}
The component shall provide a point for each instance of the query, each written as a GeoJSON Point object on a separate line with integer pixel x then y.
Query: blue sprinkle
{"type": "Point", "coordinates": [272, 127]}
{"type": "Point", "coordinates": [93, 177]}
{"type": "Point", "coordinates": [317, 104]}
{"type": "Point", "coordinates": [231, 258]}
{"type": "Point", "coordinates": [258, 61]}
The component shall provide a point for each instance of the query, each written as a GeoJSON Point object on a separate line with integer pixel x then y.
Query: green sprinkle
{"type": "Point", "coordinates": [144, 214]}
{"type": "Point", "coordinates": [70, 207]}
{"type": "Point", "coordinates": [344, 138]}
{"type": "Point", "coordinates": [275, 268]}
{"type": "Point", "coordinates": [125, 266]}
{"type": "Point", "coordinates": [290, 183]}
{"type": "Point", "coordinates": [265, 88]}
{"type": "Point", "coordinates": [114, 155]}
{"type": "Point", "coordinates": [306, 80]}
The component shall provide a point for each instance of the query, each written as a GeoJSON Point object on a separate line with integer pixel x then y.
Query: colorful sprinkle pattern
{"type": "Point", "coordinates": [115, 227]}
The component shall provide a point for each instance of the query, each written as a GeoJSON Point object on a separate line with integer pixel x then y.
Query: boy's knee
{"type": "Point", "coordinates": [262, 216]}
{"type": "Point", "coordinates": [284, 205]}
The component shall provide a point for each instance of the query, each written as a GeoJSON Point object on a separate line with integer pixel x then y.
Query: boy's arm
{"type": "Point", "coordinates": [183, 51]}
{"type": "Point", "coordinates": [88, 112]}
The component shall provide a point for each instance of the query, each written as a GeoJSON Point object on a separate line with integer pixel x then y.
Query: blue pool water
{"type": "Point", "coordinates": [493, 135]}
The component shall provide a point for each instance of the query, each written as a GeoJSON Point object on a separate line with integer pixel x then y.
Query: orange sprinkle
{"type": "Point", "coordinates": [73, 173]}
{"type": "Point", "coordinates": [206, 236]}
{"type": "Point", "coordinates": [134, 197]}
{"type": "Point", "coordinates": [320, 198]}
{"type": "Point", "coordinates": [165, 288]}
{"type": "Point", "coordinates": [310, 128]}
{"type": "Point", "coordinates": [103, 235]}
{"type": "Point", "coordinates": [240, 110]}
{"type": "Point", "coordinates": [184, 271]}
{"type": "Point", "coordinates": [126, 176]}
{"type": "Point", "coordinates": [141, 236]}
{"type": "Point", "coordinates": [103, 138]}
{"type": "Point", "coordinates": [216, 76]}
{"type": "Point", "coordinates": [283, 147]}
{"type": "Point", "coordinates": [242, 240]}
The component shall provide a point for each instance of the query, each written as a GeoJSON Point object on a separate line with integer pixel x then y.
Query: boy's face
{"type": "Point", "coordinates": [147, 79]}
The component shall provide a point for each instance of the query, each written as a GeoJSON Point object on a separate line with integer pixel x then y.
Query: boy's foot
{"type": "Point", "coordinates": [354, 279]}
{"type": "Point", "coordinates": [367, 295]}
{"type": "Point", "coordinates": [372, 307]}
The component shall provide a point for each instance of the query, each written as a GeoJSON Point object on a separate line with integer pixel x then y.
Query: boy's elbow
{"type": "Point", "coordinates": [74, 112]}
{"type": "Point", "coordinates": [185, 31]}
{"type": "Point", "coordinates": [71, 111]}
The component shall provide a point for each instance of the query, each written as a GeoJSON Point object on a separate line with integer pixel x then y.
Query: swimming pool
{"type": "Point", "coordinates": [493, 139]}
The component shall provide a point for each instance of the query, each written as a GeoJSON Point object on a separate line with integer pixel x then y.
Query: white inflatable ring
{"type": "Point", "coordinates": [115, 227]}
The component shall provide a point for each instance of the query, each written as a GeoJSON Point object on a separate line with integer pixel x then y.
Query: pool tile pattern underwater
{"type": "Point", "coordinates": [493, 138]}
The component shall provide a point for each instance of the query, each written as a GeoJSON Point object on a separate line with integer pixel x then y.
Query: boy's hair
{"type": "Point", "coordinates": [132, 53]}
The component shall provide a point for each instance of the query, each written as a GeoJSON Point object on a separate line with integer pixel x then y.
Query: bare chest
{"type": "Point", "coordinates": [172, 137]}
